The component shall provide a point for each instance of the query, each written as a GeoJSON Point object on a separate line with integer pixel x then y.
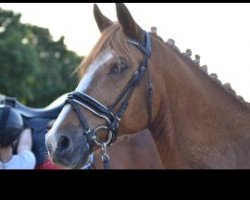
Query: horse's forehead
{"type": "Point", "coordinates": [98, 62]}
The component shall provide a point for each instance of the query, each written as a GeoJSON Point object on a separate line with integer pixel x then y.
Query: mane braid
{"type": "Point", "coordinates": [203, 69]}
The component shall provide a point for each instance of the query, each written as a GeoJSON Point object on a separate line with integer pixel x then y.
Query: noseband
{"type": "Point", "coordinates": [77, 99]}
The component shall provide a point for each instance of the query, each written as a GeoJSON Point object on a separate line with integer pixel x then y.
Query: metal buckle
{"type": "Point", "coordinates": [110, 135]}
{"type": "Point", "coordinates": [105, 156]}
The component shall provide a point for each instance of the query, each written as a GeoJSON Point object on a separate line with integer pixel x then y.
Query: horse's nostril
{"type": "Point", "coordinates": [63, 143]}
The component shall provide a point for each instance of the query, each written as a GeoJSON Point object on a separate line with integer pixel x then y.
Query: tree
{"type": "Point", "coordinates": [33, 68]}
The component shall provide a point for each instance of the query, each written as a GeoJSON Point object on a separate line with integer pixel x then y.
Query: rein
{"type": "Point", "coordinates": [77, 99]}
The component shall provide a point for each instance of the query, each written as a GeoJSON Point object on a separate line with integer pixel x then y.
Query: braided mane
{"type": "Point", "coordinates": [186, 56]}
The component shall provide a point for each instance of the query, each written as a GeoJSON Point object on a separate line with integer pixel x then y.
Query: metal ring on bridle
{"type": "Point", "coordinates": [110, 135]}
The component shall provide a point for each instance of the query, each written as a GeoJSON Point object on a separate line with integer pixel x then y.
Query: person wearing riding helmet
{"type": "Point", "coordinates": [12, 132]}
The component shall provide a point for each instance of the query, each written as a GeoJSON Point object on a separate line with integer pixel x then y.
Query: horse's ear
{"type": "Point", "coordinates": [130, 28]}
{"type": "Point", "coordinates": [102, 21]}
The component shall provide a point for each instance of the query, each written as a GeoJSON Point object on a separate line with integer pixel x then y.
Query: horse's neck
{"type": "Point", "coordinates": [198, 124]}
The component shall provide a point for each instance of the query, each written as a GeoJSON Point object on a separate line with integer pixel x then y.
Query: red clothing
{"type": "Point", "coordinates": [47, 164]}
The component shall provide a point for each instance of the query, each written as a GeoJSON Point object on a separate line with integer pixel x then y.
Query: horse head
{"type": "Point", "coordinates": [114, 96]}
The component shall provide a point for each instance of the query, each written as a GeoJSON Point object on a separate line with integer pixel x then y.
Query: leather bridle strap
{"type": "Point", "coordinates": [137, 77]}
{"type": "Point", "coordinates": [92, 105]}
{"type": "Point", "coordinates": [113, 119]}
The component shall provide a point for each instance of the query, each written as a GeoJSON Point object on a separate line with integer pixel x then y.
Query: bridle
{"type": "Point", "coordinates": [77, 99]}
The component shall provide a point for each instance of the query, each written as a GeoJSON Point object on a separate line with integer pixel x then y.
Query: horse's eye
{"type": "Point", "coordinates": [118, 68]}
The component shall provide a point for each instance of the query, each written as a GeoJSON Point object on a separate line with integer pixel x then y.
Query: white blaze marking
{"type": "Point", "coordinates": [83, 85]}
{"type": "Point", "coordinates": [100, 61]}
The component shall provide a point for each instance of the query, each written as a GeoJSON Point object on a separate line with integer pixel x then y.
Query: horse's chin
{"type": "Point", "coordinates": [76, 160]}
{"type": "Point", "coordinates": [70, 165]}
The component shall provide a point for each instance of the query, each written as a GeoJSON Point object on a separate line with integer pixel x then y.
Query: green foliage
{"type": "Point", "coordinates": [33, 68]}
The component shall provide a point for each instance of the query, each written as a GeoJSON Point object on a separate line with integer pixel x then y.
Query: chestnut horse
{"type": "Point", "coordinates": [194, 121]}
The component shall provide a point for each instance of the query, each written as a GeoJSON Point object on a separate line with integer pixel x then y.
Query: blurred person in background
{"type": "Point", "coordinates": [15, 141]}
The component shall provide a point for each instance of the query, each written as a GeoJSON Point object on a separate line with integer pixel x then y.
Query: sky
{"type": "Point", "coordinates": [219, 33]}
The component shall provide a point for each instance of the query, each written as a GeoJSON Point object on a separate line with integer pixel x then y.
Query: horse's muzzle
{"type": "Point", "coordinates": [69, 152]}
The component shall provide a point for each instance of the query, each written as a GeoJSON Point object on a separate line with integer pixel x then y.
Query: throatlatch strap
{"type": "Point", "coordinates": [149, 101]}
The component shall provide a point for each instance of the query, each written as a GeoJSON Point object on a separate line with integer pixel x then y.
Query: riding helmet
{"type": "Point", "coordinates": [11, 125]}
